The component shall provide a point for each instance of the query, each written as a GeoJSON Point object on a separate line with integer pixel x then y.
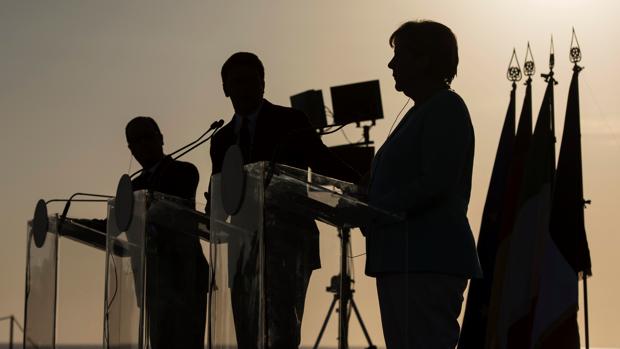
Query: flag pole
{"type": "Point", "coordinates": [575, 57]}
{"type": "Point", "coordinates": [585, 309]}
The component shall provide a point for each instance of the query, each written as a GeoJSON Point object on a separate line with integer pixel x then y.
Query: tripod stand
{"type": "Point", "coordinates": [340, 286]}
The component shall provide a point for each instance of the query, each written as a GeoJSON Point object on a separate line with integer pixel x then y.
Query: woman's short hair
{"type": "Point", "coordinates": [433, 39]}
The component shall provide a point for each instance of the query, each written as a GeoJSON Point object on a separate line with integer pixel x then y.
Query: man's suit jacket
{"type": "Point", "coordinates": [284, 135]}
{"type": "Point", "coordinates": [170, 177]}
{"type": "Point", "coordinates": [178, 274]}
{"type": "Point", "coordinates": [423, 171]}
{"type": "Point", "coordinates": [177, 178]}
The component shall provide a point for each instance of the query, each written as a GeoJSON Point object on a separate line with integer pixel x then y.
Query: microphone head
{"type": "Point", "coordinates": [216, 124]}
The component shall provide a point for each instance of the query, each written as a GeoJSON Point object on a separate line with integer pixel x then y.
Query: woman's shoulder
{"type": "Point", "coordinates": [449, 102]}
{"type": "Point", "coordinates": [450, 98]}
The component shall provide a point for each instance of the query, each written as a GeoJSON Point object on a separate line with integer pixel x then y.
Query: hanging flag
{"type": "Point", "coordinates": [475, 319]}
{"type": "Point", "coordinates": [522, 252]}
{"type": "Point", "coordinates": [567, 219]}
{"type": "Point", "coordinates": [567, 255]}
{"type": "Point", "coordinates": [495, 276]}
{"type": "Point", "coordinates": [473, 334]}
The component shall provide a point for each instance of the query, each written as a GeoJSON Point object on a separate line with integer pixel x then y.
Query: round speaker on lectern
{"type": "Point", "coordinates": [40, 224]}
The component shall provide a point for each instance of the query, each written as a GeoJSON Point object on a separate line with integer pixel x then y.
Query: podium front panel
{"type": "Point", "coordinates": [51, 304]}
{"type": "Point", "coordinates": [123, 316]}
{"type": "Point", "coordinates": [236, 295]}
{"type": "Point", "coordinates": [157, 276]}
{"type": "Point", "coordinates": [40, 297]}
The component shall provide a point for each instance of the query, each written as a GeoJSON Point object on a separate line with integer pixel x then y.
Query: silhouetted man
{"type": "Point", "coordinates": [423, 170]}
{"type": "Point", "coordinates": [267, 132]}
{"type": "Point", "coordinates": [177, 270]}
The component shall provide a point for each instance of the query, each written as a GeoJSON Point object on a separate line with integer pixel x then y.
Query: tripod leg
{"type": "Point", "coordinates": [359, 318]}
{"type": "Point", "coordinates": [329, 314]}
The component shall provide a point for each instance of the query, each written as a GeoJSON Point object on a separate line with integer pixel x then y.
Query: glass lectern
{"type": "Point", "coordinates": [263, 252]}
{"type": "Point", "coordinates": [42, 270]}
{"type": "Point", "coordinates": [156, 275]}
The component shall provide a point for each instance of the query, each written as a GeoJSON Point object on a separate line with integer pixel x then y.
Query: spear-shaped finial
{"type": "Point", "coordinates": [549, 76]}
{"type": "Point", "coordinates": [575, 51]}
{"type": "Point", "coordinates": [551, 56]}
{"type": "Point", "coordinates": [529, 67]}
{"type": "Point", "coordinates": [514, 70]}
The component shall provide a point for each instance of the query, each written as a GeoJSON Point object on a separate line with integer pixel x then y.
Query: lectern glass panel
{"type": "Point", "coordinates": [236, 290]}
{"type": "Point", "coordinates": [40, 298]}
{"type": "Point", "coordinates": [123, 304]}
{"type": "Point", "coordinates": [157, 276]}
{"type": "Point", "coordinates": [51, 304]}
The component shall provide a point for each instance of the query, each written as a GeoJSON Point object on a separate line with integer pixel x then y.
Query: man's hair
{"type": "Point", "coordinates": [433, 39]}
{"type": "Point", "coordinates": [243, 59]}
{"type": "Point", "coordinates": [142, 120]}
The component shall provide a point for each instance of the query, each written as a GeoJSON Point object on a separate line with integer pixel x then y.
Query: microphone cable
{"type": "Point", "coordinates": [397, 116]}
{"type": "Point", "coordinates": [130, 163]}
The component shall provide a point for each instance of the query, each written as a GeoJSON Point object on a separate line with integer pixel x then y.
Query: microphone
{"type": "Point", "coordinates": [214, 127]}
{"type": "Point", "coordinates": [218, 124]}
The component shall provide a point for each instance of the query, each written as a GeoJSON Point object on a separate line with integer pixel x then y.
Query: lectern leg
{"type": "Point", "coordinates": [345, 290]}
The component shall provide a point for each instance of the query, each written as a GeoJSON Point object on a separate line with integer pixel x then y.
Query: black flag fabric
{"type": "Point", "coordinates": [509, 206]}
{"type": "Point", "coordinates": [566, 254]}
{"type": "Point", "coordinates": [515, 293]}
{"type": "Point", "coordinates": [567, 216]}
{"type": "Point", "coordinates": [473, 333]}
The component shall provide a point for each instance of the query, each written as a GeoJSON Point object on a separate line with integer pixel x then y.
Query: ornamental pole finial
{"type": "Point", "coordinates": [529, 67]}
{"type": "Point", "coordinates": [514, 70]}
{"type": "Point", "coordinates": [575, 51]}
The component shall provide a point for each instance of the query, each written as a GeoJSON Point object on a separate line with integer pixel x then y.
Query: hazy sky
{"type": "Point", "coordinates": [74, 72]}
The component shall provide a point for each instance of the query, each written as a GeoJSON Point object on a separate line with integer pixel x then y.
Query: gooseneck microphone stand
{"type": "Point", "coordinates": [192, 145]}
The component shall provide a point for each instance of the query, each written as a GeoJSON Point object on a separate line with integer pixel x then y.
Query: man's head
{"type": "Point", "coordinates": [243, 79]}
{"type": "Point", "coordinates": [425, 54]}
{"type": "Point", "coordinates": [144, 140]}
